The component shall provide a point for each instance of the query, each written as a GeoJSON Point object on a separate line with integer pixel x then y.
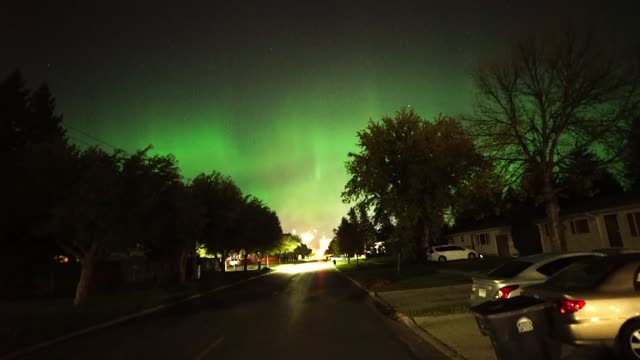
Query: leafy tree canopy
{"type": "Point", "coordinates": [411, 170]}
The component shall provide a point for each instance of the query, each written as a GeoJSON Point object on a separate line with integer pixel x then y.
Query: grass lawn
{"type": "Point", "coordinates": [32, 321]}
{"type": "Point", "coordinates": [427, 281]}
{"type": "Point", "coordinates": [381, 274]}
{"type": "Point", "coordinates": [483, 265]}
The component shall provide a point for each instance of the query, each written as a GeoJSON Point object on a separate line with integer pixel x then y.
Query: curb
{"type": "Point", "coordinates": [428, 337]}
{"type": "Point", "coordinates": [120, 320]}
{"type": "Point", "coordinates": [409, 322]}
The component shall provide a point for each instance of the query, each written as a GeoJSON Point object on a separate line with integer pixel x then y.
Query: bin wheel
{"type": "Point", "coordinates": [629, 340]}
{"type": "Point", "coordinates": [442, 259]}
{"type": "Point", "coordinates": [472, 256]}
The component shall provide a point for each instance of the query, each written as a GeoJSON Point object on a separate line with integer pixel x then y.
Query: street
{"type": "Point", "coordinates": [314, 314]}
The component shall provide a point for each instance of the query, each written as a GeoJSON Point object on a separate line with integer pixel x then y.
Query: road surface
{"type": "Point", "coordinates": [317, 314]}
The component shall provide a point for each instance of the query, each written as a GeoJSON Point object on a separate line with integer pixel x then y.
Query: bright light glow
{"type": "Point", "coordinates": [324, 245]}
{"type": "Point", "coordinates": [307, 236]}
{"type": "Point", "coordinates": [305, 267]}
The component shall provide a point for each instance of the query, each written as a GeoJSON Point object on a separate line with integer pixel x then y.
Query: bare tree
{"type": "Point", "coordinates": [550, 96]}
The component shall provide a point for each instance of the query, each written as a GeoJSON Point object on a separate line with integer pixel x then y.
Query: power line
{"type": "Point", "coordinates": [94, 138]}
{"type": "Point", "coordinates": [77, 140]}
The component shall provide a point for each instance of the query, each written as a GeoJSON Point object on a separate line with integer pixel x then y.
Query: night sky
{"type": "Point", "coordinates": [271, 95]}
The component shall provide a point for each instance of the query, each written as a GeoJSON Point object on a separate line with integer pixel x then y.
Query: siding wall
{"type": "Point", "coordinates": [597, 237]}
{"type": "Point", "coordinates": [628, 239]}
{"type": "Point", "coordinates": [491, 248]}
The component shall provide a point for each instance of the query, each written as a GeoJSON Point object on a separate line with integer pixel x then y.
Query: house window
{"type": "Point", "coordinates": [483, 239]}
{"type": "Point", "coordinates": [579, 226]}
{"type": "Point", "coordinates": [634, 223]}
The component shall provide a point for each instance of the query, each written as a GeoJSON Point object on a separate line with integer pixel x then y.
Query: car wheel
{"type": "Point", "coordinates": [442, 259]}
{"type": "Point", "coordinates": [472, 256]}
{"type": "Point", "coordinates": [629, 340]}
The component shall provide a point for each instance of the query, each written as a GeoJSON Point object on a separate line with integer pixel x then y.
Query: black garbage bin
{"type": "Point", "coordinates": [518, 327]}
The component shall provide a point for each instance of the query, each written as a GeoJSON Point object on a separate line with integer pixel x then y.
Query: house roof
{"type": "Point", "coordinates": [593, 204]}
{"type": "Point", "coordinates": [603, 202]}
{"type": "Point", "coordinates": [486, 223]}
{"type": "Point", "coordinates": [599, 204]}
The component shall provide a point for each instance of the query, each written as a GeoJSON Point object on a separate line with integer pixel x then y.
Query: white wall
{"type": "Point", "coordinates": [585, 241]}
{"type": "Point", "coordinates": [628, 240]}
{"type": "Point", "coordinates": [464, 239]}
{"type": "Point", "coordinates": [597, 236]}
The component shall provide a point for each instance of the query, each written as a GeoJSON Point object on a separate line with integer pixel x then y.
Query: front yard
{"type": "Point", "coordinates": [381, 274]}
{"type": "Point", "coordinates": [30, 322]}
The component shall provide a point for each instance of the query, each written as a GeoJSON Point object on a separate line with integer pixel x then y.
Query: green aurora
{"type": "Point", "coordinates": [292, 154]}
{"type": "Point", "coordinates": [271, 95]}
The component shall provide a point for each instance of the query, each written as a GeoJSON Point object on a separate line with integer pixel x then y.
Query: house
{"type": "Point", "coordinates": [605, 222]}
{"type": "Point", "coordinates": [490, 237]}
{"type": "Point", "coordinates": [598, 223]}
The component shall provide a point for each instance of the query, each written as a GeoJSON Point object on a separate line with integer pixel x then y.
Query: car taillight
{"type": "Point", "coordinates": [504, 292]}
{"type": "Point", "coordinates": [571, 306]}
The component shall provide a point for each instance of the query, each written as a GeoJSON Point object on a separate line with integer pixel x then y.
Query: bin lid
{"type": "Point", "coordinates": [507, 305]}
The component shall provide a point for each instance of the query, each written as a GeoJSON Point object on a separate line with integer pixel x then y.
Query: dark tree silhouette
{"type": "Point", "coordinates": [258, 228]}
{"type": "Point", "coordinates": [34, 154]}
{"type": "Point", "coordinates": [222, 202]}
{"type": "Point", "coordinates": [85, 219]}
{"type": "Point", "coordinates": [582, 175]}
{"type": "Point", "coordinates": [350, 236]}
{"type": "Point", "coordinates": [411, 169]}
{"type": "Point", "coordinates": [631, 156]}
{"type": "Point", "coordinates": [547, 97]}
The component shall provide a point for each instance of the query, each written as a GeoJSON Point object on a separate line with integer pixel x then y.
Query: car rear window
{"type": "Point", "coordinates": [582, 275]}
{"type": "Point", "coordinates": [555, 266]}
{"type": "Point", "coordinates": [509, 269]}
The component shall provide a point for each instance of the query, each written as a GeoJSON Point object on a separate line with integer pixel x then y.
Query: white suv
{"type": "Point", "coordinates": [444, 253]}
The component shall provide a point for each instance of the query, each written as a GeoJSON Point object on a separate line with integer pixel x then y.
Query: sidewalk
{"type": "Point", "coordinates": [456, 333]}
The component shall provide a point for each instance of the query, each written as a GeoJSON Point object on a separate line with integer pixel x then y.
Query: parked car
{"type": "Point", "coordinates": [597, 303]}
{"type": "Point", "coordinates": [617, 250]}
{"type": "Point", "coordinates": [508, 280]}
{"type": "Point", "coordinates": [233, 262]}
{"type": "Point", "coordinates": [444, 253]}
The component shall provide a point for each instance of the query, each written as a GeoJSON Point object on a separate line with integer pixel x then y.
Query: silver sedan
{"type": "Point", "coordinates": [597, 303]}
{"type": "Point", "coordinates": [508, 280]}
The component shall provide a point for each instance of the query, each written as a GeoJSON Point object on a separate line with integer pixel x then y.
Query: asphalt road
{"type": "Point", "coordinates": [317, 314]}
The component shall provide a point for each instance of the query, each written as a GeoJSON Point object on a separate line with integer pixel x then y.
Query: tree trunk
{"type": "Point", "coordinates": [426, 240]}
{"type": "Point", "coordinates": [223, 259]}
{"type": "Point", "coordinates": [182, 267]}
{"type": "Point", "coordinates": [259, 263]}
{"type": "Point", "coordinates": [87, 264]}
{"type": "Point", "coordinates": [245, 261]}
{"type": "Point", "coordinates": [552, 208]}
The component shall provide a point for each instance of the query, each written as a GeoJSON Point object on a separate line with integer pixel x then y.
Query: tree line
{"type": "Point", "coordinates": [555, 120]}
{"type": "Point", "coordinates": [87, 203]}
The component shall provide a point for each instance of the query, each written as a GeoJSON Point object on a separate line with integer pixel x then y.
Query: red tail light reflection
{"type": "Point", "coordinates": [571, 306]}
{"type": "Point", "coordinates": [504, 292]}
